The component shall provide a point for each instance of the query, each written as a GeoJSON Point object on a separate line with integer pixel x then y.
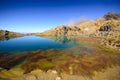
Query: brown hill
{"type": "Point", "coordinates": [112, 15]}
{"type": "Point", "coordinates": [106, 23]}
{"type": "Point", "coordinates": [62, 31]}
{"type": "Point", "coordinates": [107, 27]}
{"type": "Point", "coordinates": [8, 34]}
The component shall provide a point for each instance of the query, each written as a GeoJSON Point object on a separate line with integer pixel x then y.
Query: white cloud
{"type": "Point", "coordinates": [76, 21]}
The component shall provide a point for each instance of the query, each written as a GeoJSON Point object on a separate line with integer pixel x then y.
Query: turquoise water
{"type": "Point", "coordinates": [31, 43]}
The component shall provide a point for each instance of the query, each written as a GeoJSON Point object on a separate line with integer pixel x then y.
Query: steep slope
{"type": "Point", "coordinates": [112, 38]}
{"type": "Point", "coordinates": [98, 27]}
{"type": "Point", "coordinates": [107, 27]}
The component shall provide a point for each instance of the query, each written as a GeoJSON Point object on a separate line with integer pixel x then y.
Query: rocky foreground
{"type": "Point", "coordinates": [60, 65]}
{"type": "Point", "coordinates": [53, 75]}
{"type": "Point", "coordinates": [93, 64]}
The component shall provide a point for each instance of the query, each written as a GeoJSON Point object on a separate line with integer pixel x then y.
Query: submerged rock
{"type": "Point", "coordinates": [106, 74]}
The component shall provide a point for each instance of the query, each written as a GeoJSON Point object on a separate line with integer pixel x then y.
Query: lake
{"type": "Point", "coordinates": [52, 53]}
{"type": "Point", "coordinates": [31, 43]}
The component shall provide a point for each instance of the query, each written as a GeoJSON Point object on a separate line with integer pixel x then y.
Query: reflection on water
{"type": "Point", "coordinates": [81, 58]}
{"type": "Point", "coordinates": [7, 38]}
{"type": "Point", "coordinates": [31, 43]}
{"type": "Point", "coordinates": [78, 49]}
{"type": "Point", "coordinates": [61, 39]}
{"type": "Point", "coordinates": [4, 38]}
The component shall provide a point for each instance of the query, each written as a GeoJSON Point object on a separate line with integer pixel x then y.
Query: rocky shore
{"type": "Point", "coordinates": [60, 65]}
{"type": "Point", "coordinates": [106, 27]}
{"type": "Point", "coordinates": [100, 62]}
{"type": "Point", "coordinates": [4, 34]}
{"type": "Point", "coordinates": [53, 75]}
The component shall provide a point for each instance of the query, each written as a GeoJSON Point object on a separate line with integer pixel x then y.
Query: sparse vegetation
{"type": "Point", "coordinates": [96, 63]}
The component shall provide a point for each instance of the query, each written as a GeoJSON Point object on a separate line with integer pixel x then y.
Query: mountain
{"type": "Point", "coordinates": [112, 15]}
{"type": "Point", "coordinates": [106, 23]}
{"type": "Point", "coordinates": [62, 31]}
{"type": "Point", "coordinates": [106, 27]}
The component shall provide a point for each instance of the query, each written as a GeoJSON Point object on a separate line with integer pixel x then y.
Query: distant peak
{"type": "Point", "coordinates": [112, 15]}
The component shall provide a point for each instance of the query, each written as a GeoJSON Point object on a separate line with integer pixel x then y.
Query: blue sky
{"type": "Point", "coordinates": [41, 15]}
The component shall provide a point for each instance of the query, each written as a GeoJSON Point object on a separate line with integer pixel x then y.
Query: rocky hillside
{"type": "Point", "coordinates": [111, 30]}
{"type": "Point", "coordinates": [107, 27]}
{"type": "Point", "coordinates": [98, 27]}
{"type": "Point", "coordinates": [62, 31]}
{"type": "Point", "coordinates": [8, 34]}
{"type": "Point", "coordinates": [112, 15]}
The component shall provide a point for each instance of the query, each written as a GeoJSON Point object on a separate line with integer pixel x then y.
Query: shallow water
{"type": "Point", "coordinates": [32, 43]}
{"type": "Point", "coordinates": [84, 58]}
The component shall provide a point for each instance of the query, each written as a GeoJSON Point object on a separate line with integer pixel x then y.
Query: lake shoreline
{"type": "Point", "coordinates": [63, 61]}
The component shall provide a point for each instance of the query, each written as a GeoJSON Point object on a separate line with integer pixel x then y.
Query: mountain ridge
{"type": "Point", "coordinates": [86, 28]}
{"type": "Point", "coordinates": [106, 27]}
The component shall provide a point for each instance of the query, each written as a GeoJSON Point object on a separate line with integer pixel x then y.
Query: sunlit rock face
{"type": "Point", "coordinates": [107, 27]}
{"type": "Point", "coordinates": [99, 27]}
{"type": "Point", "coordinates": [110, 30]}
{"type": "Point", "coordinates": [62, 31]}
{"type": "Point", "coordinates": [88, 28]}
